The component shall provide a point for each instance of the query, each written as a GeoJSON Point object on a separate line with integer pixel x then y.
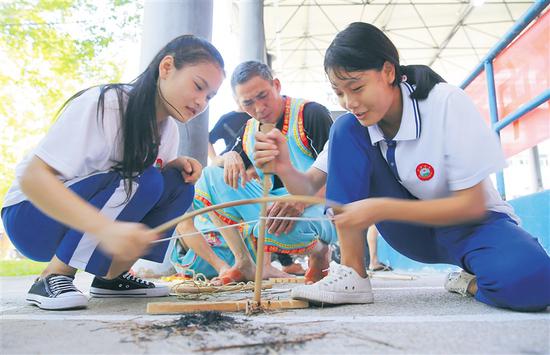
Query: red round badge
{"type": "Point", "coordinates": [424, 171]}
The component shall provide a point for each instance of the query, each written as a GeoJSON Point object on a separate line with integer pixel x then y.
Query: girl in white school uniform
{"type": "Point", "coordinates": [106, 173]}
{"type": "Point", "coordinates": [414, 157]}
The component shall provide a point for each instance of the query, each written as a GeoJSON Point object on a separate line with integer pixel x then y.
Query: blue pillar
{"type": "Point", "coordinates": [493, 111]}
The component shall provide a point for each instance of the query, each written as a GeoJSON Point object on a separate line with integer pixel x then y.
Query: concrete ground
{"type": "Point", "coordinates": [414, 316]}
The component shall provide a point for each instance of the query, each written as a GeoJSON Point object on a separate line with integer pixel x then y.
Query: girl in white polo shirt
{"type": "Point", "coordinates": [414, 157]}
{"type": "Point", "coordinates": [108, 171]}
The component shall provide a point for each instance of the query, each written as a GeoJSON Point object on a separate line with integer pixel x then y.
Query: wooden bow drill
{"type": "Point", "coordinates": [310, 200]}
{"type": "Point", "coordinates": [256, 305]}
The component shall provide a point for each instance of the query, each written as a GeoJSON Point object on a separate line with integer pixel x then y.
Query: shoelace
{"type": "Point", "coordinates": [133, 278]}
{"type": "Point", "coordinates": [335, 272]}
{"type": "Point", "coordinates": [60, 283]}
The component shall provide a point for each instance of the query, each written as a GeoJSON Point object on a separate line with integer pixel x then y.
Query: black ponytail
{"type": "Point", "coordinates": [422, 76]}
{"type": "Point", "coordinates": [362, 46]}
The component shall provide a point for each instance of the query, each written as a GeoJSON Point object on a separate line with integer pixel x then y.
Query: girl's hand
{"type": "Point", "coordinates": [361, 214]}
{"type": "Point", "coordinates": [125, 241]}
{"type": "Point", "coordinates": [272, 148]}
{"type": "Point", "coordinates": [191, 171]}
{"type": "Point", "coordinates": [189, 167]}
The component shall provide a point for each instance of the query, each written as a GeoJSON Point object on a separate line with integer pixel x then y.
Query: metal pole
{"type": "Point", "coordinates": [535, 169]}
{"type": "Point", "coordinates": [493, 110]}
{"type": "Point", "coordinates": [163, 21]}
{"type": "Point", "coordinates": [523, 110]}
{"type": "Point", "coordinates": [531, 13]}
{"type": "Point", "coordinates": [251, 28]}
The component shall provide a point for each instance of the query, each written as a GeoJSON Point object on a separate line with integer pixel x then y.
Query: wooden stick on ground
{"type": "Point", "coordinates": [224, 306]}
{"type": "Point", "coordinates": [287, 280]}
{"type": "Point", "coordinates": [266, 187]}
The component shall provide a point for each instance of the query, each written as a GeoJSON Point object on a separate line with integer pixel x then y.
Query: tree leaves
{"type": "Point", "coordinates": [49, 50]}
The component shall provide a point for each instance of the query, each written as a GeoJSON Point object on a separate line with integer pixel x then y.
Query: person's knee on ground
{"type": "Point", "coordinates": [520, 283]}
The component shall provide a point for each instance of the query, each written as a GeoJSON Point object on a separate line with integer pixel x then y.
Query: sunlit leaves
{"type": "Point", "coordinates": [49, 49]}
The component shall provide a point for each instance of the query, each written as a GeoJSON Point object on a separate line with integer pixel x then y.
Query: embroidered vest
{"type": "Point", "coordinates": [293, 129]}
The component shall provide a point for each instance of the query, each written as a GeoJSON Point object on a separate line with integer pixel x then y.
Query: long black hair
{"type": "Point", "coordinates": [140, 135]}
{"type": "Point", "coordinates": [362, 46]}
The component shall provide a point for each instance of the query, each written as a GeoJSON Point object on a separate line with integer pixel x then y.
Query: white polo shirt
{"type": "Point", "coordinates": [321, 162]}
{"type": "Point", "coordinates": [443, 145]}
{"type": "Point", "coordinates": [80, 144]}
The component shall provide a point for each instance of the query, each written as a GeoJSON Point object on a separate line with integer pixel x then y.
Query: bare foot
{"type": "Point", "coordinates": [271, 271]}
{"type": "Point", "coordinates": [217, 281]}
{"type": "Point", "coordinates": [318, 263]}
{"type": "Point", "coordinates": [240, 273]}
{"type": "Point", "coordinates": [295, 269]}
{"type": "Point", "coordinates": [228, 276]}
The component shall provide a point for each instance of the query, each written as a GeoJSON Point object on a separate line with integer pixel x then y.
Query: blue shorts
{"type": "Point", "coordinates": [157, 197]}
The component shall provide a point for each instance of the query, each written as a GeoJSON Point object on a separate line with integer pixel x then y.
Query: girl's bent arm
{"type": "Point", "coordinates": [298, 183]}
{"type": "Point", "coordinates": [49, 194]}
{"type": "Point", "coordinates": [463, 206]}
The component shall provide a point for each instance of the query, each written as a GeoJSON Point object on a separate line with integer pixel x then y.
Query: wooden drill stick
{"type": "Point", "coordinates": [266, 187]}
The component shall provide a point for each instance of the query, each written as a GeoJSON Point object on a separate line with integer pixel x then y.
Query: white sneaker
{"type": "Point", "coordinates": [458, 282]}
{"type": "Point", "coordinates": [341, 285]}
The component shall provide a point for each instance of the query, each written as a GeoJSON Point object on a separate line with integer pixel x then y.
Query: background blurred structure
{"type": "Point", "coordinates": [454, 37]}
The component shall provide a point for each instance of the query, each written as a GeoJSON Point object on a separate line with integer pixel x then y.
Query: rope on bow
{"type": "Point", "coordinates": [310, 200]}
{"type": "Point", "coordinates": [186, 235]}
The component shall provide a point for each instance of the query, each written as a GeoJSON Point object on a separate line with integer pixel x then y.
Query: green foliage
{"type": "Point", "coordinates": [49, 50]}
{"type": "Point", "coordinates": [21, 267]}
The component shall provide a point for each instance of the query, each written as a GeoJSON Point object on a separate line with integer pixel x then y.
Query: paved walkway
{"type": "Point", "coordinates": [416, 316]}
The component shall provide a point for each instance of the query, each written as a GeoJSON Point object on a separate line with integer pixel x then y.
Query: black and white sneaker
{"type": "Point", "coordinates": [126, 285]}
{"type": "Point", "coordinates": [56, 292]}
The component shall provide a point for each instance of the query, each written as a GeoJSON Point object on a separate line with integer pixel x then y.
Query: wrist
{"type": "Point", "coordinates": [384, 211]}
{"type": "Point", "coordinates": [227, 156]}
{"type": "Point", "coordinates": [98, 227]}
{"type": "Point", "coordinates": [218, 161]}
{"type": "Point", "coordinates": [175, 164]}
{"type": "Point", "coordinates": [285, 170]}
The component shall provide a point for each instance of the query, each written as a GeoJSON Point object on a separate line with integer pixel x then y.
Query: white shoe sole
{"type": "Point", "coordinates": [329, 297]}
{"type": "Point", "coordinates": [58, 303]}
{"type": "Point", "coordinates": [159, 291]}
